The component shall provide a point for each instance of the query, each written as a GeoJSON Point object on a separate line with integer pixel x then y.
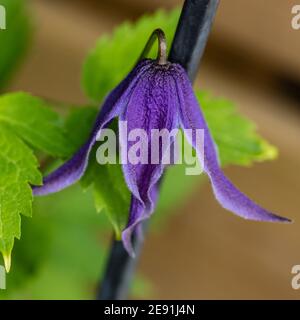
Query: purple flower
{"type": "Point", "coordinates": [155, 96]}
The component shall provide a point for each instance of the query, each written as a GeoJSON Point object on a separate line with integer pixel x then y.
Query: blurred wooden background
{"type": "Point", "coordinates": [252, 59]}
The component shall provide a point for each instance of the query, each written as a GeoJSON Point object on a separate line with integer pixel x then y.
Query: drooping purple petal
{"type": "Point", "coordinates": [73, 170]}
{"type": "Point", "coordinates": [151, 106]}
{"type": "Point", "coordinates": [227, 194]}
{"type": "Point", "coordinates": [137, 214]}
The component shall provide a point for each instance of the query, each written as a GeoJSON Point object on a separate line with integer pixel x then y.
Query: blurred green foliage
{"type": "Point", "coordinates": [15, 39]}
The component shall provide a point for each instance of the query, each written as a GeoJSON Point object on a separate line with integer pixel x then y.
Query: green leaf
{"type": "Point", "coordinates": [18, 169]}
{"type": "Point", "coordinates": [79, 124]}
{"type": "Point", "coordinates": [114, 56]}
{"type": "Point", "coordinates": [236, 136]}
{"type": "Point", "coordinates": [14, 39]}
{"type": "Point", "coordinates": [110, 192]}
{"type": "Point", "coordinates": [33, 120]}
{"type": "Point", "coordinates": [25, 121]}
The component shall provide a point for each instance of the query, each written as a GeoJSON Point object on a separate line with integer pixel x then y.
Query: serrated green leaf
{"type": "Point", "coordinates": [236, 136]}
{"type": "Point", "coordinates": [14, 39]}
{"type": "Point", "coordinates": [34, 121]}
{"type": "Point", "coordinates": [18, 169]}
{"type": "Point", "coordinates": [25, 121]}
{"type": "Point", "coordinates": [114, 56]}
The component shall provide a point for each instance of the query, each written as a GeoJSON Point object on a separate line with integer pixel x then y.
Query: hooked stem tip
{"type": "Point", "coordinates": [162, 46]}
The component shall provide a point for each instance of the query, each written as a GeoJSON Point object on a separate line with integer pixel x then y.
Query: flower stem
{"type": "Point", "coordinates": [192, 34]}
{"type": "Point", "coordinates": [162, 46]}
{"type": "Point", "coordinates": [187, 49]}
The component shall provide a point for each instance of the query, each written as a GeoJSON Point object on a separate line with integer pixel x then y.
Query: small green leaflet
{"type": "Point", "coordinates": [24, 121]}
{"type": "Point", "coordinates": [15, 39]}
{"type": "Point", "coordinates": [236, 137]}
{"type": "Point", "coordinates": [110, 192]}
{"type": "Point", "coordinates": [114, 56]}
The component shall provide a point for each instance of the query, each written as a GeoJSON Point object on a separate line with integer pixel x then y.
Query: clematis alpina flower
{"type": "Point", "coordinates": [155, 95]}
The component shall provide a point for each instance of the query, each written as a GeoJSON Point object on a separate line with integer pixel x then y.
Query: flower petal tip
{"type": "Point", "coordinates": [271, 218]}
{"type": "Point", "coordinates": [285, 220]}
{"type": "Point", "coordinates": [127, 243]}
